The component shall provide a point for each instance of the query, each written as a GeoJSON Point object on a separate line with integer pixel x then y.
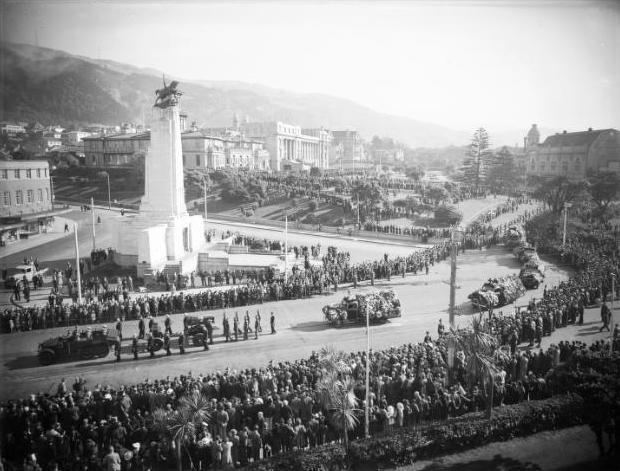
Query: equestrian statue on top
{"type": "Point", "coordinates": [167, 96]}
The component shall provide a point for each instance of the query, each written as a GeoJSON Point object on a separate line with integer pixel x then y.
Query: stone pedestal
{"type": "Point", "coordinates": [162, 233]}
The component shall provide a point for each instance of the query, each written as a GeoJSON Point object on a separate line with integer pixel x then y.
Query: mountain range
{"type": "Point", "coordinates": [51, 86]}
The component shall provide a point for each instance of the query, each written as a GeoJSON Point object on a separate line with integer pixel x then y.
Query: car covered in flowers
{"type": "Point", "coordinates": [531, 277]}
{"type": "Point", "coordinates": [378, 306]}
{"type": "Point", "coordinates": [498, 292]}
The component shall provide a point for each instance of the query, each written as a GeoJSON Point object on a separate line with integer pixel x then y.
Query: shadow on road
{"type": "Point", "coordinates": [22, 363]}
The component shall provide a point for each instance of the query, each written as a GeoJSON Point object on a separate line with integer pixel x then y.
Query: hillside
{"type": "Point", "coordinates": [46, 85]}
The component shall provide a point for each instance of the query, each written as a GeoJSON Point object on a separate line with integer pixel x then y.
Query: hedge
{"type": "Point", "coordinates": [405, 446]}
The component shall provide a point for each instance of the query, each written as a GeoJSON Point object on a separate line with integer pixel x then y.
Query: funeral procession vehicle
{"type": "Point", "coordinates": [76, 346]}
{"type": "Point", "coordinates": [379, 307]}
{"type": "Point", "coordinates": [498, 292]}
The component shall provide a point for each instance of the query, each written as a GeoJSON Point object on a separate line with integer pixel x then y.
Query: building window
{"type": "Point", "coordinates": [6, 198]}
{"type": "Point", "coordinates": [40, 194]}
{"type": "Point", "coordinates": [197, 160]}
{"type": "Point", "coordinates": [28, 173]}
{"type": "Point", "coordinates": [30, 196]}
{"type": "Point", "coordinates": [4, 174]}
{"type": "Point", "coordinates": [45, 172]}
{"type": "Point", "coordinates": [184, 159]}
{"type": "Point", "coordinates": [19, 198]}
{"type": "Point", "coordinates": [47, 194]}
{"type": "Point", "coordinates": [38, 173]}
{"type": "Point", "coordinates": [17, 174]}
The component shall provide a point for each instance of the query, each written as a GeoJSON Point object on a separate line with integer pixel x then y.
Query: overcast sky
{"type": "Point", "coordinates": [503, 65]}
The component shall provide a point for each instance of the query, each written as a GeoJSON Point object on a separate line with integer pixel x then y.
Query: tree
{"type": "Point", "coordinates": [604, 188]}
{"type": "Point", "coordinates": [180, 424]}
{"type": "Point", "coordinates": [476, 158]}
{"type": "Point", "coordinates": [557, 191]}
{"type": "Point", "coordinates": [336, 392]}
{"type": "Point", "coordinates": [502, 172]}
{"type": "Point", "coordinates": [481, 352]}
{"type": "Point", "coordinates": [315, 172]}
{"type": "Point", "coordinates": [438, 194]}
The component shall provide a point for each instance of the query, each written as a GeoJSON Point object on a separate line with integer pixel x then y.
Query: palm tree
{"type": "Point", "coordinates": [181, 423]}
{"type": "Point", "coordinates": [336, 392]}
{"type": "Point", "coordinates": [481, 356]}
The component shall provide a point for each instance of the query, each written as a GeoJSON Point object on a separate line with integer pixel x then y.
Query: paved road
{"type": "Point", "coordinates": [300, 331]}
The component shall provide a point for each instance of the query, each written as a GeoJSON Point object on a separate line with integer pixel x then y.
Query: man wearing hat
{"type": "Point", "coordinates": [134, 346]}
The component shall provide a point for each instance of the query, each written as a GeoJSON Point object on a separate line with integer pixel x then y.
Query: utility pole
{"type": "Point", "coordinates": [358, 212]}
{"type": "Point", "coordinates": [367, 408]}
{"type": "Point", "coordinates": [285, 246]}
{"type": "Point", "coordinates": [204, 181]}
{"type": "Point", "coordinates": [613, 295]}
{"type": "Point", "coordinates": [566, 206]}
{"type": "Point", "coordinates": [453, 250]}
{"type": "Point", "coordinates": [77, 263]}
{"type": "Point", "coordinates": [109, 199]}
{"type": "Point", "coordinates": [92, 211]}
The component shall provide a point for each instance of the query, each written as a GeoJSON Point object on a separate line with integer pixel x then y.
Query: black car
{"type": "Point", "coordinates": [76, 346]}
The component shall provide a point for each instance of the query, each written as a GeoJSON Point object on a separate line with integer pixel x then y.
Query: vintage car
{"type": "Point", "coordinates": [379, 307]}
{"type": "Point", "coordinates": [76, 346]}
{"type": "Point", "coordinates": [531, 277]}
{"type": "Point", "coordinates": [15, 275]}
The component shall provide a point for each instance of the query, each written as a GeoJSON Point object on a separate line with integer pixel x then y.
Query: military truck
{"type": "Point", "coordinates": [84, 345]}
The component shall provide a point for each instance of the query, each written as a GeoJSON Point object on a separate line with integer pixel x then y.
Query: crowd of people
{"type": "Point", "coordinates": [258, 412]}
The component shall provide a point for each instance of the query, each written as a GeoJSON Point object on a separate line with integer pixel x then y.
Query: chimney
{"type": "Point", "coordinates": [589, 129]}
{"type": "Point", "coordinates": [564, 132]}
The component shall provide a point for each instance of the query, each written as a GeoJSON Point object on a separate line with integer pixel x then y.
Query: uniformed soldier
{"type": "Point", "coordinates": [141, 328]}
{"type": "Point", "coordinates": [134, 346]}
{"type": "Point", "coordinates": [236, 326]}
{"type": "Point", "coordinates": [117, 348]}
{"type": "Point", "coordinates": [149, 345]}
{"type": "Point", "coordinates": [181, 344]}
{"type": "Point", "coordinates": [119, 328]}
{"type": "Point", "coordinates": [168, 325]}
{"type": "Point", "coordinates": [209, 328]}
{"type": "Point", "coordinates": [226, 326]}
{"type": "Point", "coordinates": [246, 328]}
{"type": "Point", "coordinates": [272, 322]}
{"type": "Point", "coordinates": [167, 344]}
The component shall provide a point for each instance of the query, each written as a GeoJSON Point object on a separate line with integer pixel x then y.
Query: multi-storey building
{"type": "Point", "coordinates": [11, 129]}
{"type": "Point", "coordinates": [200, 150]}
{"type": "Point", "coordinates": [289, 146]}
{"type": "Point", "coordinates": [347, 151]}
{"type": "Point", "coordinates": [73, 138]}
{"type": "Point", "coordinates": [573, 154]}
{"type": "Point", "coordinates": [25, 198]}
{"type": "Point", "coordinates": [119, 150]}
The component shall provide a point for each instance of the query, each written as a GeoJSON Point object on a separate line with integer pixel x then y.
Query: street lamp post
{"type": "Point", "coordinates": [204, 182]}
{"type": "Point", "coordinates": [78, 276]}
{"type": "Point", "coordinates": [613, 295]}
{"type": "Point", "coordinates": [367, 405]}
{"type": "Point", "coordinates": [107, 175]}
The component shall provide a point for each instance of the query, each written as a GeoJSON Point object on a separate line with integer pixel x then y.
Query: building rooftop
{"type": "Point", "coordinates": [573, 139]}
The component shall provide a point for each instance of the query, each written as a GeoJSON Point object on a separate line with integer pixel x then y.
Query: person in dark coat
{"type": "Point", "coordinates": [181, 344]}
{"type": "Point", "coordinates": [272, 323]}
{"type": "Point", "coordinates": [134, 347]}
{"type": "Point", "coordinates": [141, 328]}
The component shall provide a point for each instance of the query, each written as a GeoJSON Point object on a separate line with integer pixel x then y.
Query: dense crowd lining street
{"type": "Point", "coordinates": [411, 381]}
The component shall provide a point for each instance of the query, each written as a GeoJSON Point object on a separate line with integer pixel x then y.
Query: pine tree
{"type": "Point", "coordinates": [473, 170]}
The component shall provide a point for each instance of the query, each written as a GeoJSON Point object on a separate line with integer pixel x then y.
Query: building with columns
{"type": "Point", "coordinates": [573, 154]}
{"type": "Point", "coordinates": [289, 146]}
{"type": "Point", "coordinates": [200, 150]}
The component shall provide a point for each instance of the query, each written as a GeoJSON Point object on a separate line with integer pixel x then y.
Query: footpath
{"type": "Point", "coordinates": [57, 231]}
